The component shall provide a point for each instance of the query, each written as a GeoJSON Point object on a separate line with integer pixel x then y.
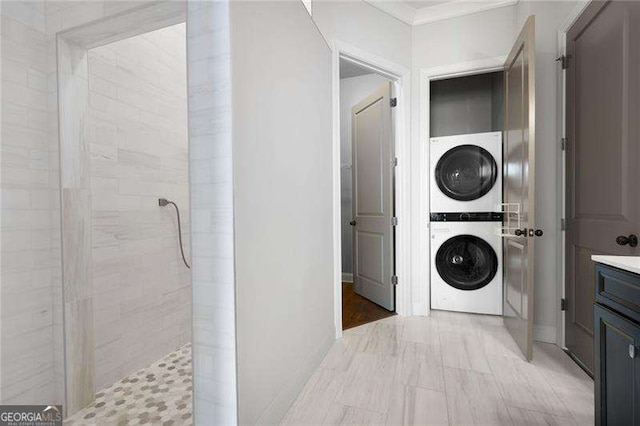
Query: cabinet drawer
{"type": "Point", "coordinates": [619, 290]}
{"type": "Point", "coordinates": [617, 366]}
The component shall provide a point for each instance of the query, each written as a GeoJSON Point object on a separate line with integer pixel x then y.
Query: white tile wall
{"type": "Point", "coordinates": [142, 290]}
{"type": "Point", "coordinates": [30, 141]}
{"type": "Point", "coordinates": [214, 344]}
{"type": "Point", "coordinates": [30, 221]}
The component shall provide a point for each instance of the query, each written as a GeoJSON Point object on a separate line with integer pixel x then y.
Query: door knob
{"type": "Point", "coordinates": [352, 223]}
{"type": "Point", "coordinates": [520, 232]}
{"type": "Point", "coordinates": [538, 232]}
{"type": "Point", "coordinates": [631, 240]}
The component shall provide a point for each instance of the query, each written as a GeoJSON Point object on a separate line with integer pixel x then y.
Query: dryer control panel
{"type": "Point", "coordinates": [467, 217]}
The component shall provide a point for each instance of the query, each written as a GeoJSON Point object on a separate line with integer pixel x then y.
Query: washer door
{"type": "Point", "coordinates": [466, 172]}
{"type": "Point", "coordinates": [466, 262]}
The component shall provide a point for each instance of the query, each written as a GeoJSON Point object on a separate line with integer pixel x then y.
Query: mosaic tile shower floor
{"type": "Point", "coordinates": [159, 394]}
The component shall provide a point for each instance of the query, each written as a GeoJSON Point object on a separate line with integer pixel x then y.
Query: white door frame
{"type": "Point", "coordinates": [401, 78]}
{"type": "Point", "coordinates": [561, 164]}
{"type": "Point", "coordinates": [422, 292]}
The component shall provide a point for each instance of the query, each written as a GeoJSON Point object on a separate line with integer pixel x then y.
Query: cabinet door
{"type": "Point", "coordinates": [617, 369]}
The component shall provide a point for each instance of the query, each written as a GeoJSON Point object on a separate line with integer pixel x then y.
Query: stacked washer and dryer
{"type": "Point", "coordinates": [465, 207]}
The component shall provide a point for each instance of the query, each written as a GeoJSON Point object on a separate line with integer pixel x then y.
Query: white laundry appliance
{"type": "Point", "coordinates": [466, 262]}
{"type": "Point", "coordinates": [466, 173]}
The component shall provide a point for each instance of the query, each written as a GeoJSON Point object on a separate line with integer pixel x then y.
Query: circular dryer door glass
{"type": "Point", "coordinates": [466, 262]}
{"type": "Point", "coordinates": [466, 172]}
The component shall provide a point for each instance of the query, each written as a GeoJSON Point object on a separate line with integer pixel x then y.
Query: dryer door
{"type": "Point", "coordinates": [466, 172]}
{"type": "Point", "coordinates": [466, 262]}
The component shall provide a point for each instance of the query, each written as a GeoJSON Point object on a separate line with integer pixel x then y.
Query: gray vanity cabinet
{"type": "Point", "coordinates": [617, 347]}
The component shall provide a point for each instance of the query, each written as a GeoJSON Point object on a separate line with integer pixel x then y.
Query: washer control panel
{"type": "Point", "coordinates": [467, 217]}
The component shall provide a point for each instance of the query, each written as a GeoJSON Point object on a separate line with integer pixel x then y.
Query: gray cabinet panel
{"type": "Point", "coordinates": [618, 368]}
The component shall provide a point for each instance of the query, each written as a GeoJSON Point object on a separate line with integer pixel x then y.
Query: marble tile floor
{"type": "Point", "coordinates": [159, 394]}
{"type": "Point", "coordinates": [447, 369]}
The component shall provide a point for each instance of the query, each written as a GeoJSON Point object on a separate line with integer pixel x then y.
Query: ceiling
{"type": "Point", "coordinates": [416, 12]}
{"type": "Point", "coordinates": [349, 69]}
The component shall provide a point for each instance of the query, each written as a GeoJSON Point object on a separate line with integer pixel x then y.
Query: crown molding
{"type": "Point", "coordinates": [397, 9]}
{"type": "Point", "coordinates": [438, 12]}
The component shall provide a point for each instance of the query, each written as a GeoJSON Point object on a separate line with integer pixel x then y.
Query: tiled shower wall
{"type": "Point", "coordinates": [139, 152]}
{"type": "Point", "coordinates": [32, 362]}
{"type": "Point", "coordinates": [31, 351]}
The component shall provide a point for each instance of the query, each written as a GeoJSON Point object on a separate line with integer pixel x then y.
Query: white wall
{"type": "Point", "coordinates": [352, 91]}
{"type": "Point", "coordinates": [282, 159]}
{"type": "Point", "coordinates": [361, 25]}
{"type": "Point", "coordinates": [139, 146]}
{"type": "Point", "coordinates": [463, 39]}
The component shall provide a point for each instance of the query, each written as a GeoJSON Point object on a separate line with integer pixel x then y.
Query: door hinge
{"type": "Point", "coordinates": [394, 161]}
{"type": "Point", "coordinates": [563, 304]}
{"type": "Point", "coordinates": [394, 102]}
{"type": "Point", "coordinates": [563, 224]}
{"type": "Point", "coordinates": [564, 144]}
{"type": "Point", "coordinates": [394, 221]}
{"type": "Point", "coordinates": [564, 61]}
{"type": "Point", "coordinates": [394, 279]}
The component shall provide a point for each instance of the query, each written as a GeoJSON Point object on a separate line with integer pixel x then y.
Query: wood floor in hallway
{"type": "Point", "coordinates": [356, 310]}
{"type": "Point", "coordinates": [447, 369]}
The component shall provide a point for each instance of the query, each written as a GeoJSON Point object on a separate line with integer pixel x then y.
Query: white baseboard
{"type": "Point", "coordinates": [347, 277]}
{"type": "Point", "coordinates": [544, 333]}
{"type": "Point", "coordinates": [281, 403]}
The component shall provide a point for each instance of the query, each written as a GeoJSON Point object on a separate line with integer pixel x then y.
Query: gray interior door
{"type": "Point", "coordinates": [603, 154]}
{"type": "Point", "coordinates": [372, 152]}
{"type": "Point", "coordinates": [519, 187]}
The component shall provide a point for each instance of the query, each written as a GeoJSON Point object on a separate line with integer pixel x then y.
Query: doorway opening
{"type": "Point", "coordinates": [465, 187]}
{"type": "Point", "coordinates": [367, 176]}
{"type": "Point", "coordinates": [141, 273]}
{"type": "Point", "coordinates": [126, 287]}
{"type": "Point", "coordinates": [517, 231]}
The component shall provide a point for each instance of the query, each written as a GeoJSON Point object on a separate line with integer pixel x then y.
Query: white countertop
{"type": "Point", "coordinates": [628, 263]}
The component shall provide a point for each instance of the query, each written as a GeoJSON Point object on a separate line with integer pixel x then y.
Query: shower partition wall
{"type": "Point", "coordinates": [213, 334]}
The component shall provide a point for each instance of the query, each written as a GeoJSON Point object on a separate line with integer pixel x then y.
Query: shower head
{"type": "Point", "coordinates": [163, 202]}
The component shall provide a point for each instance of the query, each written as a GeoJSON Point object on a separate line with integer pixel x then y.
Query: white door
{"type": "Point", "coordinates": [372, 154]}
{"type": "Point", "coordinates": [519, 189]}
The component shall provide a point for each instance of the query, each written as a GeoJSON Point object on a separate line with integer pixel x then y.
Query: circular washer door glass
{"type": "Point", "coordinates": [466, 262]}
{"type": "Point", "coordinates": [466, 172]}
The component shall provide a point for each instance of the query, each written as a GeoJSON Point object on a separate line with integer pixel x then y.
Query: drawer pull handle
{"type": "Point", "coordinates": [632, 351]}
